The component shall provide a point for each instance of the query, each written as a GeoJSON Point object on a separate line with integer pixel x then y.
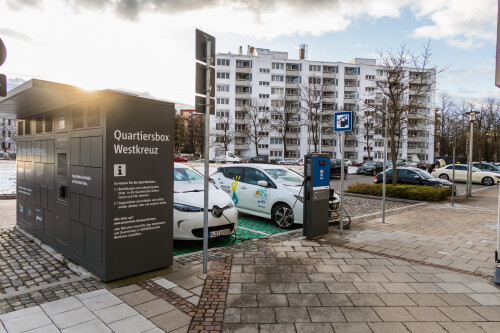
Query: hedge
{"type": "Point", "coordinates": [410, 192]}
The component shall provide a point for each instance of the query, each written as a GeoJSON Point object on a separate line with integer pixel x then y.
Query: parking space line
{"type": "Point", "coordinates": [258, 232]}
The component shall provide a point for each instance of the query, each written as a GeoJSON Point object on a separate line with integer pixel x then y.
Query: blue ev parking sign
{"type": "Point", "coordinates": [343, 121]}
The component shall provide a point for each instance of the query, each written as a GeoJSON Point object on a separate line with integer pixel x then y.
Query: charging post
{"type": "Point", "coordinates": [316, 195]}
{"type": "Point", "coordinates": [342, 123]}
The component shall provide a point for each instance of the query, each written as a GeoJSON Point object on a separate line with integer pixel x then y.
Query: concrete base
{"type": "Point", "coordinates": [497, 275]}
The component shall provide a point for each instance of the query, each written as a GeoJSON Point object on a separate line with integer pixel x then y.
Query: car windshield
{"type": "Point", "coordinates": [285, 177]}
{"type": "Point", "coordinates": [369, 163]}
{"type": "Point", "coordinates": [424, 174]}
{"type": "Point", "coordinates": [186, 175]}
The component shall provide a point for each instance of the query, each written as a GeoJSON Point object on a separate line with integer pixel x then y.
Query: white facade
{"type": "Point", "coordinates": [263, 75]}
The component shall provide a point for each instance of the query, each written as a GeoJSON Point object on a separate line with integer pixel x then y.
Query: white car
{"type": "Point", "coordinates": [347, 162]}
{"type": "Point", "coordinates": [188, 207]}
{"type": "Point", "coordinates": [478, 176]}
{"type": "Point", "coordinates": [265, 190]}
{"type": "Point", "coordinates": [289, 161]}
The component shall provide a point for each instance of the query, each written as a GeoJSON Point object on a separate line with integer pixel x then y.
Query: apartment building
{"type": "Point", "coordinates": [270, 78]}
{"type": "Point", "coordinates": [7, 135]}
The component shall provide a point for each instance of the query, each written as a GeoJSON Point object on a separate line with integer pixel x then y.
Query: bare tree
{"type": "Point", "coordinates": [180, 134]}
{"type": "Point", "coordinates": [7, 133]}
{"type": "Point", "coordinates": [283, 117]}
{"type": "Point", "coordinates": [223, 135]}
{"type": "Point", "coordinates": [367, 125]}
{"type": "Point", "coordinates": [405, 82]}
{"type": "Point", "coordinates": [311, 98]}
{"type": "Point", "coordinates": [257, 116]}
{"type": "Point", "coordinates": [197, 133]}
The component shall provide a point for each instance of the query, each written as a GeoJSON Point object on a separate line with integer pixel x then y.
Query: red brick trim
{"type": "Point", "coordinates": [174, 299]}
{"type": "Point", "coordinates": [210, 313]}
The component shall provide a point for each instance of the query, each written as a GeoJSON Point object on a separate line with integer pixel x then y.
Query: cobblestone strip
{"type": "Point", "coordinates": [210, 313]}
{"type": "Point", "coordinates": [24, 264]}
{"type": "Point", "coordinates": [29, 299]}
{"type": "Point", "coordinates": [413, 261]}
{"type": "Point", "coordinates": [165, 294]}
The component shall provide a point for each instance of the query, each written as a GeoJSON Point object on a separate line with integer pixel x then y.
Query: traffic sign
{"type": "Point", "coordinates": [201, 80]}
{"type": "Point", "coordinates": [200, 103]}
{"type": "Point", "coordinates": [201, 46]}
{"type": "Point", "coordinates": [343, 121]}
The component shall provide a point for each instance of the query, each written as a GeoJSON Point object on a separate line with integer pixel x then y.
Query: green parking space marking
{"type": "Point", "coordinates": [260, 224]}
{"type": "Point", "coordinates": [248, 227]}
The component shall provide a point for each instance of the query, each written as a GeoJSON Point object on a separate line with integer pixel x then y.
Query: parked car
{"type": "Point", "coordinates": [347, 162]}
{"type": "Point", "coordinates": [178, 159]}
{"type": "Point", "coordinates": [486, 167]}
{"type": "Point", "coordinates": [336, 168]}
{"type": "Point", "coordinates": [258, 159]}
{"type": "Point", "coordinates": [398, 163]}
{"type": "Point", "coordinates": [188, 207]}
{"type": "Point", "coordinates": [265, 190]}
{"type": "Point", "coordinates": [478, 176]}
{"type": "Point", "coordinates": [289, 161]}
{"type": "Point", "coordinates": [411, 176]}
{"type": "Point", "coordinates": [228, 157]}
{"type": "Point", "coordinates": [360, 163]}
{"type": "Point", "coordinates": [371, 168]}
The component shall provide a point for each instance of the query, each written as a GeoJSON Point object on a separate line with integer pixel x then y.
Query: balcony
{"type": "Point", "coordinates": [329, 99]}
{"type": "Point", "coordinates": [242, 95]}
{"type": "Point", "coordinates": [292, 85]}
{"type": "Point", "coordinates": [351, 76]}
{"type": "Point", "coordinates": [244, 70]}
{"type": "Point", "coordinates": [329, 75]}
{"type": "Point", "coordinates": [350, 89]}
{"type": "Point", "coordinates": [241, 146]}
{"type": "Point", "coordinates": [329, 87]}
{"type": "Point", "coordinates": [293, 69]}
{"type": "Point", "coordinates": [349, 100]}
{"type": "Point", "coordinates": [244, 83]}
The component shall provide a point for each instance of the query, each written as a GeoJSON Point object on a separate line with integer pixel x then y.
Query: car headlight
{"type": "Point", "coordinates": [187, 208]}
{"type": "Point", "coordinates": [498, 177]}
{"type": "Point", "coordinates": [230, 205]}
{"type": "Point", "coordinates": [300, 198]}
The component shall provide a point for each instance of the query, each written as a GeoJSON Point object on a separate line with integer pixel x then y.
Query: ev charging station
{"type": "Point", "coordinates": [316, 195]}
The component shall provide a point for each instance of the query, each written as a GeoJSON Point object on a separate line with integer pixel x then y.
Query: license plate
{"type": "Point", "coordinates": [217, 233]}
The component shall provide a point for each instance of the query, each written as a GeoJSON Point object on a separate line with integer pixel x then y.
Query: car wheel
{"type": "Point", "coordinates": [444, 176]}
{"type": "Point", "coordinates": [295, 163]}
{"type": "Point", "coordinates": [279, 213]}
{"type": "Point", "coordinates": [488, 181]}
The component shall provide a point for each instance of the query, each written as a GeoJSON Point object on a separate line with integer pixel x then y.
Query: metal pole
{"type": "Point", "coordinates": [453, 175]}
{"type": "Point", "coordinates": [497, 269]}
{"type": "Point", "coordinates": [469, 167]}
{"type": "Point", "coordinates": [384, 170]}
{"type": "Point", "coordinates": [341, 223]}
{"type": "Point", "coordinates": [205, 182]}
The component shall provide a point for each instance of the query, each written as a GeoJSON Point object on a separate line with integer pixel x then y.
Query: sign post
{"type": "Point", "coordinates": [384, 170]}
{"type": "Point", "coordinates": [342, 123]}
{"type": "Point", "coordinates": [205, 78]}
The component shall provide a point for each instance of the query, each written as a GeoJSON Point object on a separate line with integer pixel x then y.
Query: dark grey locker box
{"type": "Point", "coordinates": [67, 188]}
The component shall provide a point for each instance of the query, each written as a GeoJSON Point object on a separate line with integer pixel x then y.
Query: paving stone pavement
{"type": "Point", "coordinates": [306, 286]}
{"type": "Point", "coordinates": [461, 237]}
{"type": "Point", "coordinates": [24, 265]}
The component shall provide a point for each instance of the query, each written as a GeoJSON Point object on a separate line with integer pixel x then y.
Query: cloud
{"type": "Point", "coordinates": [462, 23]}
{"type": "Point", "coordinates": [15, 34]}
{"type": "Point", "coordinates": [14, 82]}
{"type": "Point", "coordinates": [20, 4]}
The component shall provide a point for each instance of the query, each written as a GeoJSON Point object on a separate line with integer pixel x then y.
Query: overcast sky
{"type": "Point", "coordinates": [147, 46]}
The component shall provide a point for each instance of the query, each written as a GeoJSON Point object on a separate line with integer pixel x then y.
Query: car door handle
{"type": "Point", "coordinates": [243, 187]}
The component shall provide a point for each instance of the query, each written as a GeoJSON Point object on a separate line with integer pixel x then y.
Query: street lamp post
{"type": "Point", "coordinates": [472, 118]}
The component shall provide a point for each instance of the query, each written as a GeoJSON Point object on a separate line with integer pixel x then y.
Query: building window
{"type": "Point", "coordinates": [224, 114]}
{"type": "Point", "coordinates": [278, 65]}
{"type": "Point", "coordinates": [276, 141]}
{"type": "Point", "coordinates": [314, 68]}
{"type": "Point", "coordinates": [380, 72]}
{"type": "Point", "coordinates": [370, 77]}
{"type": "Point", "coordinates": [264, 146]}
{"type": "Point", "coordinates": [369, 89]}
{"type": "Point", "coordinates": [263, 83]}
{"type": "Point", "coordinates": [223, 62]}
{"type": "Point", "coordinates": [314, 80]}
{"type": "Point", "coordinates": [263, 108]}
{"type": "Point", "coordinates": [223, 88]}
{"type": "Point", "coordinates": [277, 91]}
{"type": "Point", "coordinates": [239, 128]}
{"type": "Point", "coordinates": [264, 70]}
{"type": "Point", "coordinates": [222, 75]}
{"type": "Point", "coordinates": [222, 100]}
{"type": "Point", "coordinates": [263, 133]}
{"type": "Point", "coordinates": [277, 78]}
{"type": "Point", "coordinates": [263, 95]}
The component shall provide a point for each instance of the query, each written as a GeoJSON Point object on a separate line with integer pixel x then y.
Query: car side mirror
{"type": "Point", "coordinates": [262, 183]}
